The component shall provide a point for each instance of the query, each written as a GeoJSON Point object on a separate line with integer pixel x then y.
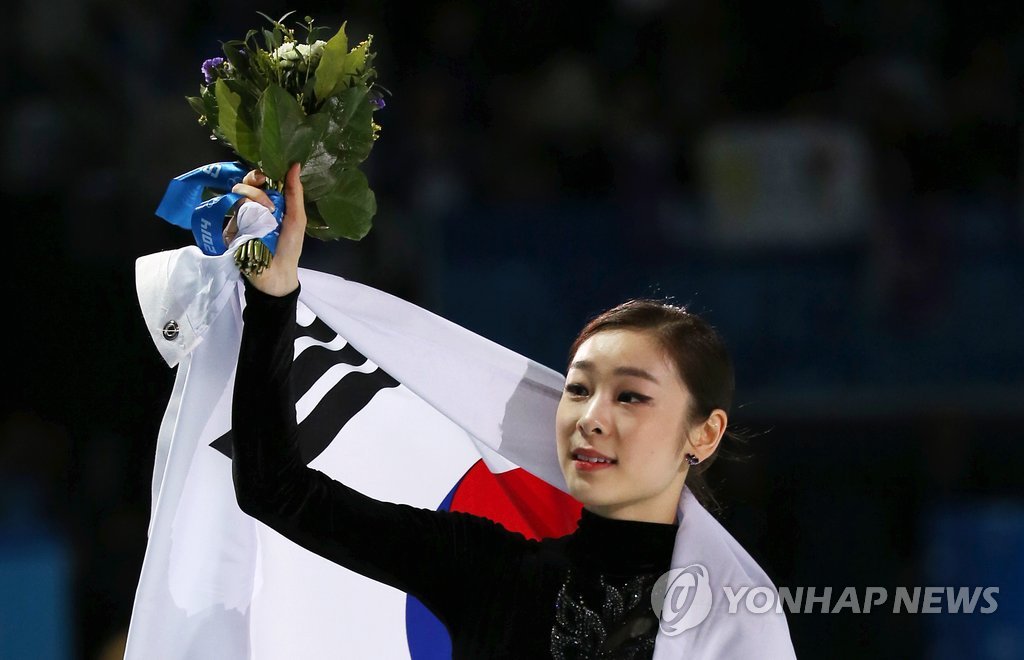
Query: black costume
{"type": "Point", "coordinates": [586, 595]}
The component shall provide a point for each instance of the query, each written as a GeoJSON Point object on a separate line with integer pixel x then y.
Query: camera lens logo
{"type": "Point", "coordinates": [682, 598]}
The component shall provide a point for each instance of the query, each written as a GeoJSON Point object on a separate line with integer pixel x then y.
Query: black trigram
{"type": "Point", "coordinates": [340, 404]}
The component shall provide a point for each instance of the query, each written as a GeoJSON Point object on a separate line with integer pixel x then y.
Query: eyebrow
{"type": "Point", "coordinates": [586, 365]}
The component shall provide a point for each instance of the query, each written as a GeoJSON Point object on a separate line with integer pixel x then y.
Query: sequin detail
{"type": "Point", "coordinates": [604, 618]}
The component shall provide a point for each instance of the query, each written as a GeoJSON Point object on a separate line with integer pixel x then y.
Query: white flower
{"type": "Point", "coordinates": [291, 54]}
{"type": "Point", "coordinates": [286, 53]}
{"type": "Point", "coordinates": [313, 50]}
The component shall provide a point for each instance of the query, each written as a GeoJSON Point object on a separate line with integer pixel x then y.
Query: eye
{"type": "Point", "coordinates": [575, 390]}
{"type": "Point", "coordinates": [633, 397]}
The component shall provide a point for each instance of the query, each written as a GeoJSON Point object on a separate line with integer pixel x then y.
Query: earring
{"type": "Point", "coordinates": [691, 459]}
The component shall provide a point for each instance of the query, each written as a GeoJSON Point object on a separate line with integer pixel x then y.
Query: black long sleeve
{"type": "Point", "coordinates": [500, 595]}
{"type": "Point", "coordinates": [448, 560]}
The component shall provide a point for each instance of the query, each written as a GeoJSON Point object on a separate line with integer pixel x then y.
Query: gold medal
{"type": "Point", "coordinates": [252, 257]}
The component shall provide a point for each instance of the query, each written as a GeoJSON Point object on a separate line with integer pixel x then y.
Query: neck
{"type": "Point", "coordinates": [652, 512]}
{"type": "Point", "coordinates": [626, 513]}
{"type": "Point", "coordinates": [663, 508]}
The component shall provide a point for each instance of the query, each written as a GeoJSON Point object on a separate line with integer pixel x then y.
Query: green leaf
{"type": "Point", "coordinates": [286, 134]}
{"type": "Point", "coordinates": [235, 53]}
{"type": "Point", "coordinates": [234, 122]}
{"type": "Point", "coordinates": [249, 94]}
{"type": "Point", "coordinates": [348, 211]}
{"type": "Point", "coordinates": [355, 61]}
{"type": "Point", "coordinates": [197, 105]}
{"type": "Point", "coordinates": [350, 71]}
{"type": "Point", "coordinates": [280, 21]}
{"type": "Point", "coordinates": [349, 135]}
{"type": "Point", "coordinates": [329, 73]}
{"type": "Point", "coordinates": [368, 73]}
{"type": "Point", "coordinates": [270, 37]}
{"type": "Point", "coordinates": [317, 178]}
{"type": "Point", "coordinates": [264, 69]}
{"type": "Point", "coordinates": [314, 223]}
{"type": "Point", "coordinates": [209, 100]}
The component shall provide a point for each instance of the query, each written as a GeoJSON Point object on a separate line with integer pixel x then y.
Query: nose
{"type": "Point", "coordinates": [593, 421]}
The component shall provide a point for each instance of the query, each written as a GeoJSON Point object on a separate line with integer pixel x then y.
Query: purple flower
{"type": "Point", "coordinates": [377, 100]}
{"type": "Point", "coordinates": [209, 68]}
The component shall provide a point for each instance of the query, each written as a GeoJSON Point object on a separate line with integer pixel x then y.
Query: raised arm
{"type": "Point", "coordinates": [445, 559]}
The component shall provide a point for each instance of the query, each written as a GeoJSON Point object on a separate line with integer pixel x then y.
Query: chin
{"type": "Point", "coordinates": [585, 493]}
{"type": "Point", "coordinates": [576, 487]}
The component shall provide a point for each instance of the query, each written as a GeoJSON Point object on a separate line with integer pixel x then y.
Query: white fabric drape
{"type": "Point", "coordinates": [217, 584]}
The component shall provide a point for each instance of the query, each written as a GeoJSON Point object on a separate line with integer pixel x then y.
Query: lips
{"type": "Point", "coordinates": [586, 457]}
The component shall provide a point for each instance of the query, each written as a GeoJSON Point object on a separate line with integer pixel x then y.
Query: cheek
{"type": "Point", "coordinates": [565, 422]}
{"type": "Point", "coordinates": [664, 442]}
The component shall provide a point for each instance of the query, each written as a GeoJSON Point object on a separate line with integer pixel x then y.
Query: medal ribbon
{"type": "Point", "coordinates": [183, 205]}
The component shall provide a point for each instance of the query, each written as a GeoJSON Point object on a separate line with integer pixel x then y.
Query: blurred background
{"type": "Point", "coordinates": [837, 185]}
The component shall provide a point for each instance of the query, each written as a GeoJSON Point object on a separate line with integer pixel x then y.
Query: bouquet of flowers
{"type": "Point", "coordinates": [275, 99]}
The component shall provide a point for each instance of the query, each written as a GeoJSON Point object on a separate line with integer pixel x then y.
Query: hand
{"type": "Point", "coordinates": [281, 277]}
{"type": "Point", "coordinates": [252, 188]}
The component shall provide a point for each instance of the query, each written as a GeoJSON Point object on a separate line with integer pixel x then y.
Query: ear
{"type": "Point", "coordinates": [704, 438]}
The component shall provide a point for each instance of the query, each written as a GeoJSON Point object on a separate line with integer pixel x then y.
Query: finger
{"type": "Point", "coordinates": [254, 178]}
{"type": "Point", "coordinates": [230, 230]}
{"type": "Point", "coordinates": [293, 187]}
{"type": "Point", "coordinates": [293, 227]}
{"type": "Point", "coordinates": [255, 194]}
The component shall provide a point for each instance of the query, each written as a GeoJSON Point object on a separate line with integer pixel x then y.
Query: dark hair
{"type": "Point", "coordinates": [700, 357]}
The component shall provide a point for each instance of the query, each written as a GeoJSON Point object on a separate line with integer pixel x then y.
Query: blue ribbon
{"type": "Point", "coordinates": [184, 207]}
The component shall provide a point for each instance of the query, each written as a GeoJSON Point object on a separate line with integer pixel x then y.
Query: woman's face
{"type": "Point", "coordinates": [621, 426]}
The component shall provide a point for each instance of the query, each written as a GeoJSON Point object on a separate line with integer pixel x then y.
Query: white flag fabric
{"type": "Point", "coordinates": [368, 367]}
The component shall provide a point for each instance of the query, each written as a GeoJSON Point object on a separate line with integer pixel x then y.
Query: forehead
{"type": "Point", "coordinates": [611, 349]}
